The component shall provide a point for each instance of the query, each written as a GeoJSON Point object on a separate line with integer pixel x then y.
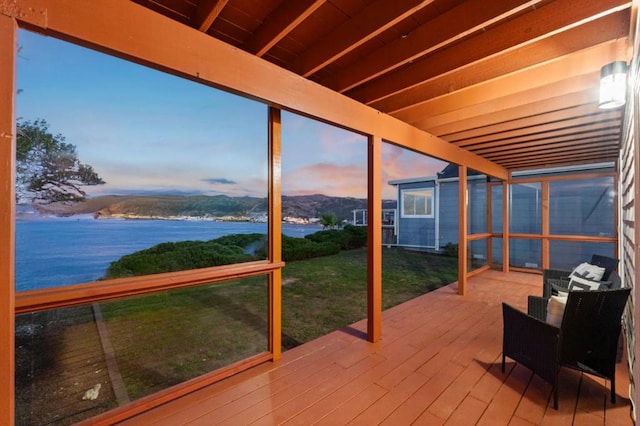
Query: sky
{"type": "Point", "coordinates": [145, 131]}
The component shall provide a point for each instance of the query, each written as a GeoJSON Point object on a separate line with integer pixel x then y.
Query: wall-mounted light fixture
{"type": "Point", "coordinates": [613, 85]}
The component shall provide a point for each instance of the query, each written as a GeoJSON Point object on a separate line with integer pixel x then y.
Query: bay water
{"type": "Point", "coordinates": [52, 252]}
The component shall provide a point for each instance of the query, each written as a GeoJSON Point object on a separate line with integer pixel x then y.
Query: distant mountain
{"type": "Point", "coordinates": [241, 208]}
{"type": "Point", "coordinates": [310, 206]}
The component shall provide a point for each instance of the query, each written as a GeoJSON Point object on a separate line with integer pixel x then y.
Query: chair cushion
{"type": "Point", "coordinates": [608, 263]}
{"type": "Point", "coordinates": [555, 310]}
{"type": "Point", "coordinates": [579, 283]}
{"type": "Point", "coordinates": [589, 271]}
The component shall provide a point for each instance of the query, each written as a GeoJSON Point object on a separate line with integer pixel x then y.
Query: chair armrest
{"type": "Point", "coordinates": [557, 285]}
{"type": "Point", "coordinates": [552, 274]}
{"type": "Point", "coordinates": [537, 307]}
{"type": "Point", "coordinates": [531, 342]}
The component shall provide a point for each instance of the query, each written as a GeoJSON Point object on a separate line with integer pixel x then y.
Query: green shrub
{"type": "Point", "coordinates": [348, 238]}
{"type": "Point", "coordinates": [356, 237]}
{"type": "Point", "coordinates": [185, 255]}
{"type": "Point", "coordinates": [303, 248]}
{"type": "Point", "coordinates": [451, 250]}
{"type": "Point", "coordinates": [236, 248]}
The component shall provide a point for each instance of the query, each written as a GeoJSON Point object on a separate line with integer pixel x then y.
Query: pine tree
{"type": "Point", "coordinates": [47, 168]}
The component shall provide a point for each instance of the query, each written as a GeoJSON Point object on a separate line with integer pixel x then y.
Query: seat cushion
{"type": "Point", "coordinates": [555, 310]}
{"type": "Point", "coordinates": [589, 271]}
{"type": "Point", "coordinates": [579, 283]}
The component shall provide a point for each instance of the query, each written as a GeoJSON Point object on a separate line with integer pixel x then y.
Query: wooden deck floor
{"type": "Point", "coordinates": [438, 362]}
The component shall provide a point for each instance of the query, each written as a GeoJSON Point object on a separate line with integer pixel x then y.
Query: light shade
{"type": "Point", "coordinates": [613, 85]}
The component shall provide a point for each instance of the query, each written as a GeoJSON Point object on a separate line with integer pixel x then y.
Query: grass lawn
{"type": "Point", "coordinates": [328, 293]}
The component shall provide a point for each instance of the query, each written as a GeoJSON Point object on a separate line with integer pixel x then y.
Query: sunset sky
{"type": "Point", "coordinates": [144, 130]}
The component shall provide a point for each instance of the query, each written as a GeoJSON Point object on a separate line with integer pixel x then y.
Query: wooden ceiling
{"type": "Point", "coordinates": [514, 81]}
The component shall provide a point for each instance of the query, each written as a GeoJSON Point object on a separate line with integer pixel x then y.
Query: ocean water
{"type": "Point", "coordinates": [55, 252]}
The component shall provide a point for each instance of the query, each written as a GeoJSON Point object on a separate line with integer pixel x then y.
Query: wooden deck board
{"type": "Point", "coordinates": [438, 362]}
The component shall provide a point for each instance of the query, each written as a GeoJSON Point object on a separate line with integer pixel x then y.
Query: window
{"type": "Point", "coordinates": [417, 203]}
{"type": "Point", "coordinates": [582, 207]}
{"type": "Point", "coordinates": [178, 167]}
{"type": "Point", "coordinates": [525, 210]}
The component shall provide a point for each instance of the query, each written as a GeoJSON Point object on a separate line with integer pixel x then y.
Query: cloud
{"type": "Point", "coordinates": [221, 181]}
{"type": "Point", "coordinates": [328, 179]}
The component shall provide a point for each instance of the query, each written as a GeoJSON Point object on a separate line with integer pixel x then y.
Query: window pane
{"type": "Point", "coordinates": [566, 255]}
{"type": "Point", "coordinates": [421, 205]}
{"type": "Point", "coordinates": [130, 348]}
{"type": "Point", "coordinates": [477, 254]}
{"type": "Point", "coordinates": [417, 203]}
{"type": "Point", "coordinates": [183, 163]}
{"type": "Point", "coordinates": [496, 209]}
{"type": "Point", "coordinates": [582, 207]}
{"type": "Point", "coordinates": [496, 251]}
{"type": "Point", "coordinates": [409, 204]}
{"type": "Point", "coordinates": [525, 253]}
{"type": "Point", "coordinates": [525, 215]}
{"type": "Point", "coordinates": [477, 207]}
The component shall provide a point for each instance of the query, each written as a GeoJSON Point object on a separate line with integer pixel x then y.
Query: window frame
{"type": "Point", "coordinates": [429, 206]}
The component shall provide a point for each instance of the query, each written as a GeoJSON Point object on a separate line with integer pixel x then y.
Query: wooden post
{"type": "Point", "coordinates": [462, 230]}
{"type": "Point", "coordinates": [489, 221]}
{"type": "Point", "coordinates": [275, 232]}
{"type": "Point", "coordinates": [374, 240]}
{"type": "Point", "coordinates": [8, 46]}
{"type": "Point", "coordinates": [505, 226]}
{"type": "Point", "coordinates": [545, 224]}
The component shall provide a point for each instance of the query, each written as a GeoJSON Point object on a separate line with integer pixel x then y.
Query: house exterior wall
{"type": "Point", "coordinates": [448, 224]}
{"type": "Point", "coordinates": [448, 212]}
{"type": "Point", "coordinates": [477, 206]}
{"type": "Point", "coordinates": [581, 206]}
{"type": "Point", "coordinates": [629, 190]}
{"type": "Point", "coordinates": [418, 231]}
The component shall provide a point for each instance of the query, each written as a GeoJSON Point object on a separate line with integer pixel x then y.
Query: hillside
{"type": "Point", "coordinates": [242, 208]}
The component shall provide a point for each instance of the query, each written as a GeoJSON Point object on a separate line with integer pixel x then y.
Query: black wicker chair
{"type": "Point", "coordinates": [560, 278]}
{"type": "Point", "coordinates": [587, 339]}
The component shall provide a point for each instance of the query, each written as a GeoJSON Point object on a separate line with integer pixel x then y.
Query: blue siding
{"type": "Point", "coordinates": [448, 213]}
{"type": "Point", "coordinates": [525, 211]}
{"type": "Point", "coordinates": [477, 206]}
{"type": "Point", "coordinates": [416, 231]}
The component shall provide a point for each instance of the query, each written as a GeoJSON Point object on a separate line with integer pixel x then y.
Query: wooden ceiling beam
{"type": "Point", "coordinates": [206, 13]}
{"type": "Point", "coordinates": [603, 157]}
{"type": "Point", "coordinates": [584, 66]}
{"type": "Point", "coordinates": [556, 161]}
{"type": "Point", "coordinates": [542, 144]}
{"type": "Point", "coordinates": [608, 146]}
{"type": "Point", "coordinates": [530, 121]}
{"type": "Point", "coordinates": [592, 132]}
{"type": "Point", "coordinates": [575, 148]}
{"type": "Point", "coordinates": [280, 23]}
{"type": "Point", "coordinates": [549, 21]}
{"type": "Point", "coordinates": [561, 163]}
{"type": "Point", "coordinates": [445, 29]}
{"type": "Point", "coordinates": [181, 12]}
{"type": "Point", "coordinates": [503, 65]}
{"type": "Point", "coordinates": [563, 92]}
{"type": "Point", "coordinates": [570, 125]}
{"type": "Point", "coordinates": [498, 112]}
{"type": "Point", "coordinates": [353, 33]}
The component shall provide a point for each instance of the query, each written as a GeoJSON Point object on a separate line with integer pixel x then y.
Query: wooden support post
{"type": "Point", "coordinates": [505, 226]}
{"type": "Point", "coordinates": [275, 232]}
{"type": "Point", "coordinates": [8, 46]}
{"type": "Point", "coordinates": [545, 224]}
{"type": "Point", "coordinates": [489, 221]}
{"type": "Point", "coordinates": [374, 240]}
{"type": "Point", "coordinates": [462, 230]}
